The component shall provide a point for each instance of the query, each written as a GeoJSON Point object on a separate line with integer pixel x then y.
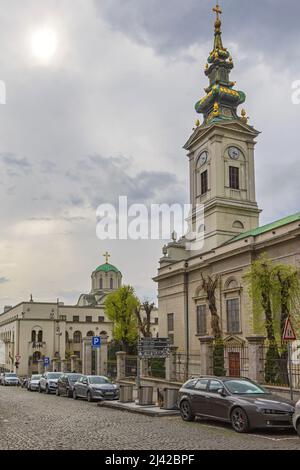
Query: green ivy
{"type": "Point", "coordinates": [218, 358]}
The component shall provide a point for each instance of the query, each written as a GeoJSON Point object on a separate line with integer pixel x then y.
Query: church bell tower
{"type": "Point", "coordinates": [221, 153]}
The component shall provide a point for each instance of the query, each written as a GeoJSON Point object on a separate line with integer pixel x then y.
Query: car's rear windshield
{"type": "Point", "coordinates": [11, 375]}
{"type": "Point", "coordinates": [243, 387]}
{"type": "Point", "coordinates": [74, 377]}
{"type": "Point", "coordinates": [54, 375]}
{"type": "Point", "coordinates": [98, 380]}
{"type": "Point", "coordinates": [36, 377]}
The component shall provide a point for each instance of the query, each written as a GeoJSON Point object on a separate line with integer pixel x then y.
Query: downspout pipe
{"type": "Point", "coordinates": [186, 321]}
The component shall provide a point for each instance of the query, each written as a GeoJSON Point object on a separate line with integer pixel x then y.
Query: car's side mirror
{"type": "Point", "coordinates": [222, 392]}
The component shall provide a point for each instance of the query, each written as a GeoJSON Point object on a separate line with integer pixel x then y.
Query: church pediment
{"type": "Point", "coordinates": [234, 125]}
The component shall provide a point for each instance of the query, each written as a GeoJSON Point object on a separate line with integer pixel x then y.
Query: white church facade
{"type": "Point", "coordinates": [32, 331]}
{"type": "Point", "coordinates": [221, 155]}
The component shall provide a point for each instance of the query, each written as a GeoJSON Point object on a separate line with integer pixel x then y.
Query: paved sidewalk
{"type": "Point", "coordinates": [150, 410]}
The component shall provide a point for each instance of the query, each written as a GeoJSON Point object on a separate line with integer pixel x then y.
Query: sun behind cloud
{"type": "Point", "coordinates": [44, 44]}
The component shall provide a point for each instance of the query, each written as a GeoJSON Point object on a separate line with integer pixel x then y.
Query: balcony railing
{"type": "Point", "coordinates": [38, 344]}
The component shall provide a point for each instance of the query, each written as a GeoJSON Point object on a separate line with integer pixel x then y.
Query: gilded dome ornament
{"type": "Point", "coordinates": [216, 109]}
{"type": "Point", "coordinates": [221, 99]}
{"type": "Point", "coordinates": [244, 116]}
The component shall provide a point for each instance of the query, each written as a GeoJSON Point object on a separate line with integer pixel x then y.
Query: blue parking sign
{"type": "Point", "coordinates": [96, 342]}
{"type": "Point", "coordinates": [46, 361]}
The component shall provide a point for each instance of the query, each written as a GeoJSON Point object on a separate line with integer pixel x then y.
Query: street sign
{"type": "Point", "coordinates": [154, 348]}
{"type": "Point", "coordinates": [289, 332]}
{"type": "Point", "coordinates": [46, 361]}
{"type": "Point", "coordinates": [96, 342]}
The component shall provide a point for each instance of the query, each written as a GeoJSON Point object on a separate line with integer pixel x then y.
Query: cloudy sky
{"type": "Point", "coordinates": [108, 113]}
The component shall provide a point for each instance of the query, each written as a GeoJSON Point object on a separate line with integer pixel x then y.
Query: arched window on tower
{"type": "Point", "coordinates": [101, 283]}
{"type": "Point", "coordinates": [111, 283]}
{"type": "Point", "coordinates": [33, 336]}
{"type": "Point", "coordinates": [40, 336]}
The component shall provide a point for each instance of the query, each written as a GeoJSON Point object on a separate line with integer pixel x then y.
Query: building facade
{"type": "Point", "coordinates": [32, 331]}
{"type": "Point", "coordinates": [222, 181]}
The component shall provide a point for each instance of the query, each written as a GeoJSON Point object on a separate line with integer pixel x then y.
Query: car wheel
{"type": "Point", "coordinates": [240, 421]}
{"type": "Point", "coordinates": [75, 394]}
{"type": "Point", "coordinates": [298, 428]}
{"type": "Point", "coordinates": [89, 397]}
{"type": "Point", "coordinates": [186, 411]}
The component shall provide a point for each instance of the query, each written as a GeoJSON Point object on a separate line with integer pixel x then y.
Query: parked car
{"type": "Point", "coordinates": [48, 382]}
{"type": "Point", "coordinates": [65, 384]}
{"type": "Point", "coordinates": [1, 378]}
{"type": "Point", "coordinates": [240, 401]}
{"type": "Point", "coordinates": [10, 378]}
{"type": "Point", "coordinates": [296, 418]}
{"type": "Point", "coordinates": [95, 387]}
{"type": "Point", "coordinates": [34, 382]}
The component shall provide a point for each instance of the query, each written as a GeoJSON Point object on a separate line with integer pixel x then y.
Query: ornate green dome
{"type": "Point", "coordinates": [107, 268]}
{"type": "Point", "coordinates": [221, 99]}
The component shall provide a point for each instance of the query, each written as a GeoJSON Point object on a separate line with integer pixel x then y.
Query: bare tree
{"type": "Point", "coordinates": [209, 285]}
{"type": "Point", "coordinates": [144, 321]}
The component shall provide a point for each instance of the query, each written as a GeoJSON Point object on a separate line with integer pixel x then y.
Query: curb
{"type": "Point", "coordinates": [143, 410]}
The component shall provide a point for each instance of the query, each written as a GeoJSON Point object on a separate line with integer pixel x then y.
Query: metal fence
{"type": "Point", "coordinates": [130, 366]}
{"type": "Point", "coordinates": [277, 370]}
{"type": "Point", "coordinates": [111, 369]}
{"type": "Point", "coordinates": [185, 366]}
{"type": "Point", "coordinates": [157, 368]}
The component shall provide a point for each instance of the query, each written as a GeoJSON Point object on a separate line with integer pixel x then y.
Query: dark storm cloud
{"type": "Point", "coordinates": [267, 25]}
{"type": "Point", "coordinates": [112, 177]}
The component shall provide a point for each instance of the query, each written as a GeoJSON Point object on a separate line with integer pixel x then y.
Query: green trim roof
{"type": "Point", "coordinates": [265, 228]}
{"type": "Point", "coordinates": [107, 268]}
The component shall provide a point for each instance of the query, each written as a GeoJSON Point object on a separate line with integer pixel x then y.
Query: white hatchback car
{"type": "Point", "coordinates": [296, 418]}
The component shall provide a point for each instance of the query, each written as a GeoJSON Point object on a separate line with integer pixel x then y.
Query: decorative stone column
{"type": "Point", "coordinates": [256, 357]}
{"type": "Point", "coordinates": [87, 356]}
{"type": "Point", "coordinates": [206, 355]}
{"type": "Point", "coordinates": [121, 357]}
{"type": "Point", "coordinates": [41, 366]}
{"type": "Point", "coordinates": [74, 363]}
{"type": "Point", "coordinates": [171, 365]}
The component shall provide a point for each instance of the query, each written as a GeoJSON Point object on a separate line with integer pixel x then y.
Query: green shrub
{"type": "Point", "coordinates": [218, 358]}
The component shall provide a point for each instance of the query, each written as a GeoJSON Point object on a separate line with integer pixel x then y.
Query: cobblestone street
{"type": "Point", "coordinates": [30, 420]}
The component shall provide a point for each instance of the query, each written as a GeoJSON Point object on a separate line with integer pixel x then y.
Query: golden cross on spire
{"type": "Point", "coordinates": [217, 10]}
{"type": "Point", "coordinates": [106, 256]}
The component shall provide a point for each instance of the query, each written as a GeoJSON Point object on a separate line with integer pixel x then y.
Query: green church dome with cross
{"type": "Point", "coordinates": [107, 267]}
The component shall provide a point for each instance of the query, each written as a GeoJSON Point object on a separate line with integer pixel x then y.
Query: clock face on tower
{"type": "Point", "coordinates": [203, 158]}
{"type": "Point", "coordinates": [234, 153]}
